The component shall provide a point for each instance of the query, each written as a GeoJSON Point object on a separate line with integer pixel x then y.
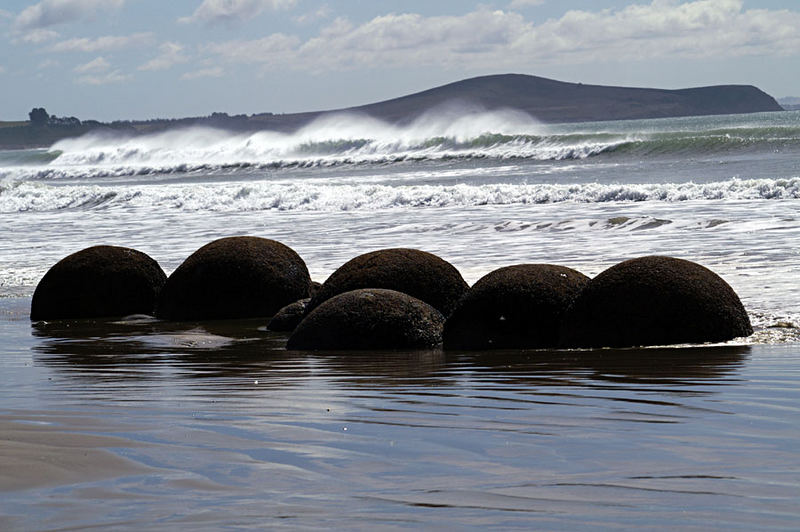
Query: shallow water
{"type": "Point", "coordinates": [217, 425]}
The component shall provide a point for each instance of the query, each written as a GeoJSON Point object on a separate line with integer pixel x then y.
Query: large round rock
{"type": "Point", "coordinates": [235, 277]}
{"type": "Point", "coordinates": [100, 281]}
{"type": "Point", "coordinates": [655, 301]}
{"type": "Point", "coordinates": [516, 307]}
{"type": "Point", "coordinates": [289, 317]}
{"type": "Point", "coordinates": [417, 273]}
{"type": "Point", "coordinates": [369, 319]}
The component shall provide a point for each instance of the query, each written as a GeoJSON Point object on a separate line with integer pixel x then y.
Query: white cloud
{"type": "Point", "coordinates": [52, 12]}
{"type": "Point", "coordinates": [406, 39]}
{"type": "Point", "coordinates": [414, 39]}
{"type": "Point", "coordinates": [231, 11]}
{"type": "Point", "coordinates": [665, 28]}
{"type": "Point", "coordinates": [103, 79]}
{"type": "Point", "coordinates": [171, 54]}
{"type": "Point", "coordinates": [213, 72]}
{"type": "Point", "coordinates": [95, 65]}
{"type": "Point", "coordinates": [500, 39]}
{"type": "Point", "coordinates": [36, 36]}
{"type": "Point", "coordinates": [2, 69]}
{"type": "Point", "coordinates": [516, 4]}
{"type": "Point", "coordinates": [319, 14]}
{"type": "Point", "coordinates": [102, 44]}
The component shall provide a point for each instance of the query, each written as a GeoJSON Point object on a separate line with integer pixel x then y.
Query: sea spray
{"type": "Point", "coordinates": [339, 137]}
{"type": "Point", "coordinates": [287, 195]}
{"type": "Point", "coordinates": [348, 139]}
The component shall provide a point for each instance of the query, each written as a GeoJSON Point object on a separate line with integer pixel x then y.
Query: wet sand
{"type": "Point", "coordinates": [141, 424]}
{"type": "Point", "coordinates": [44, 449]}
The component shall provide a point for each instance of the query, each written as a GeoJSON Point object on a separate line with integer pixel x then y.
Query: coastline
{"type": "Point", "coordinates": [541, 99]}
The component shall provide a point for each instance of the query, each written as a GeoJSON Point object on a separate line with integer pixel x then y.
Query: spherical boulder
{"type": "Point", "coordinates": [234, 277]}
{"type": "Point", "coordinates": [417, 273]}
{"type": "Point", "coordinates": [100, 281]}
{"type": "Point", "coordinates": [315, 287]}
{"type": "Point", "coordinates": [516, 307]}
{"type": "Point", "coordinates": [654, 301]}
{"type": "Point", "coordinates": [287, 318]}
{"type": "Point", "coordinates": [369, 318]}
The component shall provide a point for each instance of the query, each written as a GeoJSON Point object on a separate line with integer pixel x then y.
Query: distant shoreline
{"type": "Point", "coordinates": [546, 100]}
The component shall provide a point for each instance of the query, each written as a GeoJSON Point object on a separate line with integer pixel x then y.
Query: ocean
{"type": "Point", "coordinates": [134, 423]}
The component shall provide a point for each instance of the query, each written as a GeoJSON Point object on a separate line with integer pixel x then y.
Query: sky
{"type": "Point", "coordinates": [141, 59]}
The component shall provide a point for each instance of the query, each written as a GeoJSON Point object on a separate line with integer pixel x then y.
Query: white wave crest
{"type": "Point", "coordinates": [331, 139]}
{"type": "Point", "coordinates": [314, 196]}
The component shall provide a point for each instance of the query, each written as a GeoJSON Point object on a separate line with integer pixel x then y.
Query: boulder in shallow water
{"type": "Point", "coordinates": [315, 287]}
{"type": "Point", "coordinates": [516, 307]}
{"type": "Point", "coordinates": [417, 273]}
{"type": "Point", "coordinates": [234, 277]}
{"type": "Point", "coordinates": [287, 318]}
{"type": "Point", "coordinates": [100, 281]}
{"type": "Point", "coordinates": [370, 318]}
{"type": "Point", "coordinates": [655, 301]}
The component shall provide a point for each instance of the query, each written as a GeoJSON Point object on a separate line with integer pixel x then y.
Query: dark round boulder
{"type": "Point", "coordinates": [234, 277]}
{"type": "Point", "coordinates": [417, 273]}
{"type": "Point", "coordinates": [655, 301]}
{"type": "Point", "coordinates": [315, 287]}
{"type": "Point", "coordinates": [287, 318]}
{"type": "Point", "coordinates": [370, 318]}
{"type": "Point", "coordinates": [516, 307]}
{"type": "Point", "coordinates": [100, 281]}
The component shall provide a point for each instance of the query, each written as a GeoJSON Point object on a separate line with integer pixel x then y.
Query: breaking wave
{"type": "Point", "coordinates": [336, 139]}
{"type": "Point", "coordinates": [310, 196]}
{"type": "Point", "coordinates": [356, 139]}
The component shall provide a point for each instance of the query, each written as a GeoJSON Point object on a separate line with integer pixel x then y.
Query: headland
{"type": "Point", "coordinates": [547, 100]}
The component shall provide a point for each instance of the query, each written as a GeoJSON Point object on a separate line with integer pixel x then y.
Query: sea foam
{"type": "Point", "coordinates": [313, 196]}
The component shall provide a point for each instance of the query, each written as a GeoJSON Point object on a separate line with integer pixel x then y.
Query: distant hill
{"type": "Point", "coordinates": [545, 99]}
{"type": "Point", "coordinates": [556, 101]}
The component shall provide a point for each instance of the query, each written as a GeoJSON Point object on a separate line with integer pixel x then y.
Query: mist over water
{"type": "Point", "coordinates": [329, 139]}
{"type": "Point", "coordinates": [443, 133]}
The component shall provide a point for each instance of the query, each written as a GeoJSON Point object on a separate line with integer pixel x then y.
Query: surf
{"type": "Point", "coordinates": [351, 139]}
{"type": "Point", "coordinates": [309, 196]}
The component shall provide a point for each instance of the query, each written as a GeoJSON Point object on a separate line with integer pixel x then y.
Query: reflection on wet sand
{"type": "Point", "coordinates": [130, 345]}
{"type": "Point", "coordinates": [665, 365]}
{"type": "Point", "coordinates": [219, 421]}
{"type": "Point", "coordinates": [37, 453]}
{"type": "Point", "coordinates": [236, 347]}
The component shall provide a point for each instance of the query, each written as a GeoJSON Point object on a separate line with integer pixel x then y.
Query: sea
{"type": "Point", "coordinates": [133, 423]}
